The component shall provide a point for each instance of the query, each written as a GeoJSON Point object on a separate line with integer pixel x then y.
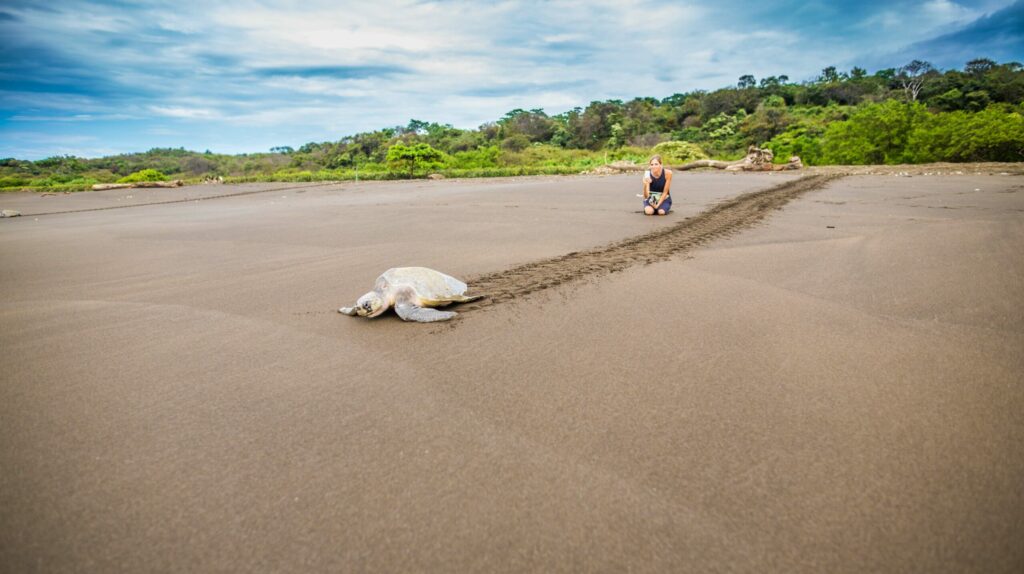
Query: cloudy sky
{"type": "Point", "coordinates": [92, 78]}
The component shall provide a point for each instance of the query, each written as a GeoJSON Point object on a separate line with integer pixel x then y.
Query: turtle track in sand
{"type": "Point", "coordinates": [723, 219]}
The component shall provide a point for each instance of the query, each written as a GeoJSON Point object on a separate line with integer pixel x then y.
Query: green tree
{"type": "Point", "coordinates": [802, 140]}
{"type": "Point", "coordinates": [769, 120]}
{"type": "Point", "coordinates": [534, 124]}
{"type": "Point", "coordinates": [728, 101]}
{"type": "Point", "coordinates": [874, 134]}
{"type": "Point", "coordinates": [948, 101]}
{"type": "Point", "coordinates": [593, 128]}
{"type": "Point", "coordinates": [482, 157]}
{"type": "Point", "coordinates": [829, 75]}
{"type": "Point", "coordinates": [642, 116]}
{"type": "Point", "coordinates": [416, 127]}
{"type": "Point", "coordinates": [515, 142]}
{"type": "Point", "coordinates": [979, 66]}
{"type": "Point", "coordinates": [1005, 83]}
{"type": "Point", "coordinates": [993, 134]}
{"type": "Point", "coordinates": [977, 100]}
{"type": "Point", "coordinates": [617, 139]}
{"type": "Point", "coordinates": [407, 159]}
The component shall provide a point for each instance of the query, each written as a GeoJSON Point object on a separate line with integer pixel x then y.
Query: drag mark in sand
{"type": "Point", "coordinates": [723, 219]}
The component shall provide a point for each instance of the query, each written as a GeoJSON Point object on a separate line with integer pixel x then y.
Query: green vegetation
{"type": "Point", "coordinates": [406, 159]}
{"type": "Point", "coordinates": [914, 114]}
{"type": "Point", "coordinates": [674, 152]}
{"type": "Point", "coordinates": [143, 175]}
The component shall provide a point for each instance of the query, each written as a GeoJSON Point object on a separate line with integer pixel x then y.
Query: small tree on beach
{"type": "Point", "coordinates": [406, 159]}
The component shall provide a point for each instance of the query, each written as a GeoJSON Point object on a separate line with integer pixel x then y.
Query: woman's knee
{"type": "Point", "coordinates": [648, 210]}
{"type": "Point", "coordinates": [661, 212]}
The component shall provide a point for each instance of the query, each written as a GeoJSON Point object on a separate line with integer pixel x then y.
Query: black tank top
{"type": "Point", "coordinates": [658, 183]}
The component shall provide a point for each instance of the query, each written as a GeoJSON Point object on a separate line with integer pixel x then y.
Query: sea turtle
{"type": "Point", "coordinates": [412, 291]}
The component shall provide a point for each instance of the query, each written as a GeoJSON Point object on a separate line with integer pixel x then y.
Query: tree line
{"type": "Point", "coordinates": [911, 114]}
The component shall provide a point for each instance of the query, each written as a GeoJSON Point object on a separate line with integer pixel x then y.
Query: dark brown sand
{"type": "Point", "coordinates": [824, 377]}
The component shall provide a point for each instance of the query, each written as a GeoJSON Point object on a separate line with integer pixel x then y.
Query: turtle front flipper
{"type": "Point", "coordinates": [351, 311]}
{"type": "Point", "coordinates": [410, 312]}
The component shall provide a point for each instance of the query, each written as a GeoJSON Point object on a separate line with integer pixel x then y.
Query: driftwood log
{"type": "Point", "coordinates": [757, 159]}
{"type": "Point", "coordinates": [102, 186]}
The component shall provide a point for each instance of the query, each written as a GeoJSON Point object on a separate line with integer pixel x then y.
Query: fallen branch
{"type": "Point", "coordinates": [757, 159]}
{"type": "Point", "coordinates": [102, 186]}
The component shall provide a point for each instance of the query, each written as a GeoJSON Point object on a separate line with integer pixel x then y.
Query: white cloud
{"type": "Point", "coordinates": [72, 118]}
{"type": "Point", "coordinates": [185, 113]}
{"type": "Point", "coordinates": [281, 66]}
{"type": "Point", "coordinates": [946, 11]}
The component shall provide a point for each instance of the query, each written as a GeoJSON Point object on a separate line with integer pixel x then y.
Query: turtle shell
{"type": "Point", "coordinates": [430, 286]}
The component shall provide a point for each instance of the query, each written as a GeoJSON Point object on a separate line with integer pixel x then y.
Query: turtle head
{"type": "Point", "coordinates": [371, 305]}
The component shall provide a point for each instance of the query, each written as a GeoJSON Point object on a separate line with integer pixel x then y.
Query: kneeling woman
{"type": "Point", "coordinates": [657, 182]}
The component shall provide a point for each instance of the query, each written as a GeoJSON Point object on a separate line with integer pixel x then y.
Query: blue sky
{"type": "Point", "coordinates": [99, 78]}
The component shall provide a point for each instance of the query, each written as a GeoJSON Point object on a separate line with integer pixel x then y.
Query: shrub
{"type": "Point", "coordinates": [678, 152]}
{"type": "Point", "coordinates": [481, 157]}
{"type": "Point", "coordinates": [800, 140]}
{"type": "Point", "coordinates": [515, 142]}
{"type": "Point", "coordinates": [874, 134]}
{"type": "Point", "coordinates": [995, 134]}
{"type": "Point", "coordinates": [143, 175]}
{"type": "Point", "coordinates": [13, 181]}
{"type": "Point", "coordinates": [407, 159]}
{"type": "Point", "coordinates": [292, 175]}
{"type": "Point", "coordinates": [510, 171]}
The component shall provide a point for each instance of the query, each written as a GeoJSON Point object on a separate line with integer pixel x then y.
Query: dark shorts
{"type": "Point", "coordinates": [665, 205]}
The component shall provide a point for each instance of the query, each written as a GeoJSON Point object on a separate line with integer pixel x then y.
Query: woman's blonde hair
{"type": "Point", "coordinates": [655, 157]}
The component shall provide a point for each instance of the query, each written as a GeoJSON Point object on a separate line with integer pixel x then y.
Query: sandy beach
{"type": "Point", "coordinates": [824, 377]}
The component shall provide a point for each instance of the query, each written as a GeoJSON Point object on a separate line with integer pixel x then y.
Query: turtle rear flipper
{"type": "Point", "coordinates": [448, 300]}
{"type": "Point", "coordinates": [410, 312]}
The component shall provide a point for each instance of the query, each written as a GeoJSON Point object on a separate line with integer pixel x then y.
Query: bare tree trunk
{"type": "Point", "coordinates": [707, 163]}
{"type": "Point", "coordinates": [757, 159]}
